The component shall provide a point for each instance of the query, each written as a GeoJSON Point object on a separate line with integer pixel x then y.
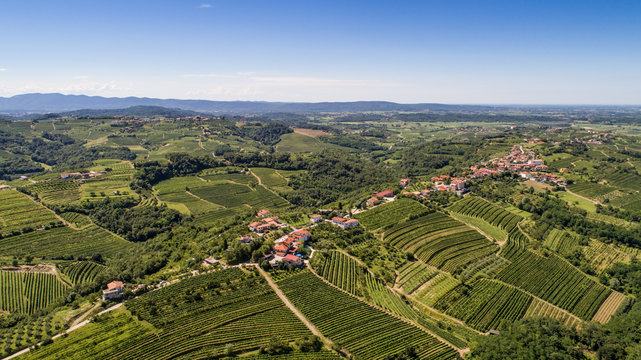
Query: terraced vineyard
{"type": "Point", "coordinates": [487, 266]}
{"type": "Point", "coordinates": [485, 304]}
{"type": "Point", "coordinates": [601, 256]}
{"type": "Point", "coordinates": [414, 274]}
{"type": "Point", "coordinates": [53, 185]}
{"type": "Point", "coordinates": [195, 318]}
{"type": "Point", "coordinates": [18, 212]}
{"type": "Point", "coordinates": [629, 201]}
{"type": "Point", "coordinates": [516, 241]}
{"type": "Point", "coordinates": [435, 288]}
{"type": "Point", "coordinates": [540, 308]}
{"type": "Point", "coordinates": [441, 241]}
{"type": "Point", "coordinates": [224, 178]}
{"type": "Point", "coordinates": [347, 274]}
{"type": "Point", "coordinates": [481, 208]}
{"type": "Point", "coordinates": [624, 180]}
{"type": "Point", "coordinates": [591, 190]}
{"type": "Point", "coordinates": [173, 191]}
{"type": "Point", "coordinates": [363, 330]}
{"type": "Point", "coordinates": [234, 195]}
{"type": "Point", "coordinates": [80, 220]}
{"type": "Point", "coordinates": [554, 280]}
{"type": "Point", "coordinates": [63, 242]}
{"type": "Point", "coordinates": [269, 177]}
{"type": "Point", "coordinates": [26, 292]}
{"type": "Point", "coordinates": [82, 271]}
{"type": "Point", "coordinates": [388, 214]}
{"type": "Point", "coordinates": [561, 241]}
{"type": "Point", "coordinates": [609, 307]}
{"type": "Point", "coordinates": [342, 271]}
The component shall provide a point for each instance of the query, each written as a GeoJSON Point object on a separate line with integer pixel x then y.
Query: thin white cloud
{"type": "Point", "coordinates": [205, 6]}
{"type": "Point", "coordinates": [2, 69]}
{"type": "Point", "coordinates": [210, 75]}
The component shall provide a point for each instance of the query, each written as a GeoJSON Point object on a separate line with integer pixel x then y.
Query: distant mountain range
{"type": "Point", "coordinates": [47, 103]}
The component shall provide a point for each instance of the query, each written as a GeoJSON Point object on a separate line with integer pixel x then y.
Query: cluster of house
{"type": "Point", "coordinates": [267, 224]}
{"type": "Point", "coordinates": [450, 183]}
{"type": "Point", "coordinates": [542, 177]}
{"type": "Point", "coordinates": [519, 160]}
{"type": "Point", "coordinates": [77, 175]}
{"type": "Point", "coordinates": [384, 195]}
{"type": "Point", "coordinates": [286, 248]}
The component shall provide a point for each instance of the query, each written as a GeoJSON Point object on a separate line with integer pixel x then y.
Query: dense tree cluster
{"type": "Point", "coordinates": [352, 141]}
{"type": "Point", "coordinates": [180, 164]}
{"type": "Point", "coordinates": [333, 174]}
{"type": "Point", "coordinates": [56, 150]}
{"type": "Point", "coordinates": [557, 212]}
{"type": "Point", "coordinates": [545, 338]}
{"type": "Point", "coordinates": [133, 223]}
{"type": "Point", "coordinates": [267, 134]}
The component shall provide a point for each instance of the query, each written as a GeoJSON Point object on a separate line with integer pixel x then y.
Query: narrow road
{"type": "Point", "coordinates": [296, 312]}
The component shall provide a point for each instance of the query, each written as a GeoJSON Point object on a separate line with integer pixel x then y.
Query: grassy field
{"type": "Point", "coordinates": [579, 202]}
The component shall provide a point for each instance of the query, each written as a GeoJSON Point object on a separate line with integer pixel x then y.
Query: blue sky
{"type": "Point", "coordinates": [488, 52]}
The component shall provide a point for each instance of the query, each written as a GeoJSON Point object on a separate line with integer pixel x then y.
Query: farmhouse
{"type": "Point", "coordinates": [209, 261]}
{"type": "Point", "coordinates": [263, 213]}
{"type": "Point", "coordinates": [405, 182]}
{"type": "Point", "coordinates": [372, 201]}
{"type": "Point", "coordinates": [389, 194]}
{"type": "Point", "coordinates": [343, 223]}
{"type": "Point", "coordinates": [301, 235]}
{"type": "Point", "coordinates": [246, 239]}
{"type": "Point", "coordinates": [4, 187]}
{"type": "Point", "coordinates": [293, 260]}
{"type": "Point", "coordinates": [281, 249]}
{"type": "Point", "coordinates": [265, 225]}
{"type": "Point", "coordinates": [114, 290]}
{"type": "Point", "coordinates": [316, 218]}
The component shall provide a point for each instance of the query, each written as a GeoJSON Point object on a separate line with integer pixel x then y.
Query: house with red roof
{"type": "Point", "coordinates": [281, 249]}
{"type": "Point", "coordinates": [301, 235]}
{"type": "Point", "coordinates": [385, 194]}
{"type": "Point", "coordinates": [263, 212]}
{"type": "Point", "coordinates": [114, 290]}
{"type": "Point", "coordinates": [293, 260]}
{"type": "Point", "coordinates": [372, 201]}
{"type": "Point", "coordinates": [253, 226]}
{"type": "Point", "coordinates": [405, 182]}
{"type": "Point", "coordinates": [343, 223]}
